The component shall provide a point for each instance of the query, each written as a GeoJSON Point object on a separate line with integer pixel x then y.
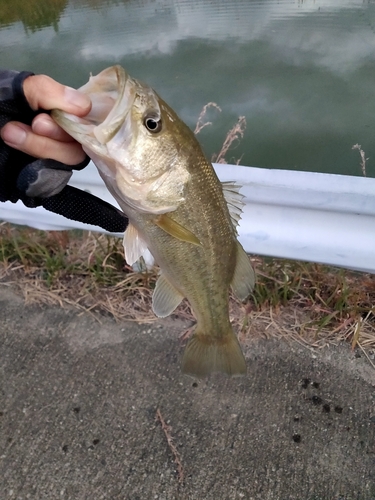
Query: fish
{"type": "Point", "coordinates": [154, 166]}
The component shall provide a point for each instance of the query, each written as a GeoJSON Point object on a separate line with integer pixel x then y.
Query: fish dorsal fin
{"type": "Point", "coordinates": [244, 277]}
{"type": "Point", "coordinates": [134, 245]}
{"type": "Point", "coordinates": [165, 298]}
{"type": "Point", "coordinates": [175, 229]}
{"type": "Point", "coordinates": [233, 197]}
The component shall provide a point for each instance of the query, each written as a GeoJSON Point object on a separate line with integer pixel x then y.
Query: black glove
{"type": "Point", "coordinates": [44, 182]}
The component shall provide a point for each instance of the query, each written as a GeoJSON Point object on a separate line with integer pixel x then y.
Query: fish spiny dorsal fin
{"type": "Point", "coordinates": [134, 245]}
{"type": "Point", "coordinates": [244, 277]}
{"type": "Point", "coordinates": [165, 298]}
{"type": "Point", "coordinates": [233, 197]}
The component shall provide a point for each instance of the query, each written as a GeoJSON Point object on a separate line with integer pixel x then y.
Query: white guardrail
{"type": "Point", "coordinates": [296, 215]}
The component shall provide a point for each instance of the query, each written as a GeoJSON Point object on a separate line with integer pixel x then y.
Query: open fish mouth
{"type": "Point", "coordinates": [122, 130]}
{"type": "Point", "coordinates": [112, 93]}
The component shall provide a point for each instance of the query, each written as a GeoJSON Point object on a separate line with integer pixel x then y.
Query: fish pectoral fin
{"type": "Point", "coordinates": [244, 276]}
{"type": "Point", "coordinates": [134, 245]}
{"type": "Point", "coordinates": [165, 298]}
{"type": "Point", "coordinates": [175, 229]}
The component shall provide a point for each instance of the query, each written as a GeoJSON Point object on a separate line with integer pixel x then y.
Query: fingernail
{"type": "Point", "coordinates": [44, 126]}
{"type": "Point", "coordinates": [76, 98]}
{"type": "Point", "coordinates": [13, 135]}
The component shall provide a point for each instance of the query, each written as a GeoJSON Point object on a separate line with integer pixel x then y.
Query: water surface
{"type": "Point", "coordinates": [301, 72]}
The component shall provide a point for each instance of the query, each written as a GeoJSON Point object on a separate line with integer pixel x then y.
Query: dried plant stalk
{"type": "Point", "coordinates": [236, 133]}
{"type": "Point", "coordinates": [363, 158]}
{"type": "Point", "coordinates": [167, 431]}
{"type": "Point", "coordinates": [201, 123]}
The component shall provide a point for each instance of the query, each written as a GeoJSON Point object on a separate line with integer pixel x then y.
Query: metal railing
{"type": "Point", "coordinates": [297, 215]}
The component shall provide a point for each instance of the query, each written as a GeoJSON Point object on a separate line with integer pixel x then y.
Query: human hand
{"type": "Point", "coordinates": [44, 138]}
{"type": "Point", "coordinates": [37, 157]}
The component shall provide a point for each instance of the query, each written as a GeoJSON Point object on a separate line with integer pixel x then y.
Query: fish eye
{"type": "Point", "coordinates": [152, 124]}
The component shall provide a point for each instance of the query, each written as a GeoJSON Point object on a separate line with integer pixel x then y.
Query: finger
{"type": "Point", "coordinates": [20, 136]}
{"type": "Point", "coordinates": [42, 92]}
{"type": "Point", "coordinates": [43, 124]}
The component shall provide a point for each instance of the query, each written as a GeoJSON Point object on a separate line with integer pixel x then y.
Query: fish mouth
{"type": "Point", "coordinates": [112, 94]}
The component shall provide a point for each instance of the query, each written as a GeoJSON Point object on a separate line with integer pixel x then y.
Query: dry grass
{"type": "Point", "coordinates": [234, 136]}
{"type": "Point", "coordinates": [363, 158]}
{"type": "Point", "coordinates": [232, 139]}
{"type": "Point", "coordinates": [201, 122]}
{"type": "Point", "coordinates": [83, 269]}
{"type": "Point", "coordinates": [310, 303]}
{"type": "Point", "coordinates": [176, 456]}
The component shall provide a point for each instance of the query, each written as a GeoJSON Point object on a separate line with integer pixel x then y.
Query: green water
{"type": "Point", "coordinates": [301, 72]}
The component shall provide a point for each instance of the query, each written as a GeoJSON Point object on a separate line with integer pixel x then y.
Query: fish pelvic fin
{"type": "Point", "coordinates": [243, 280]}
{"type": "Point", "coordinates": [165, 298]}
{"type": "Point", "coordinates": [205, 354]}
{"type": "Point", "coordinates": [175, 229]}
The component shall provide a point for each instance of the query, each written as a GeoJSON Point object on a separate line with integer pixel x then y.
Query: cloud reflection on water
{"type": "Point", "coordinates": [337, 35]}
{"type": "Point", "coordinates": [301, 72]}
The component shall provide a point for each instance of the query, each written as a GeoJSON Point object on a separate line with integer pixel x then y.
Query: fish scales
{"type": "Point", "coordinates": [199, 272]}
{"type": "Point", "coordinates": [155, 168]}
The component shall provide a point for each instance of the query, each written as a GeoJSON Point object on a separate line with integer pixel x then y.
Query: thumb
{"type": "Point", "coordinates": [42, 92]}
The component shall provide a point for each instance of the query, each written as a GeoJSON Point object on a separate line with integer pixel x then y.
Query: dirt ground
{"type": "Point", "coordinates": [100, 410]}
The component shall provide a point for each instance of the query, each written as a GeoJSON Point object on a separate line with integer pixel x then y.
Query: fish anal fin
{"type": "Point", "coordinates": [134, 245]}
{"type": "Point", "coordinates": [175, 229]}
{"type": "Point", "coordinates": [244, 276]}
{"type": "Point", "coordinates": [234, 199]}
{"type": "Point", "coordinates": [205, 354]}
{"type": "Point", "coordinates": [165, 298]}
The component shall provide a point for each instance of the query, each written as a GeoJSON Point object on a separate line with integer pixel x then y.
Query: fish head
{"type": "Point", "coordinates": [135, 139]}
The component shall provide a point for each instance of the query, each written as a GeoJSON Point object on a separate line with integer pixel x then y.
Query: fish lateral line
{"type": "Point", "coordinates": [175, 229]}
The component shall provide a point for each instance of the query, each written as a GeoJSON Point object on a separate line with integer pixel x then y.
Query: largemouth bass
{"type": "Point", "coordinates": [153, 165]}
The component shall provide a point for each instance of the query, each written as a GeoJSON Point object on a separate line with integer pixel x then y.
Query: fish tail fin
{"type": "Point", "coordinates": [205, 354]}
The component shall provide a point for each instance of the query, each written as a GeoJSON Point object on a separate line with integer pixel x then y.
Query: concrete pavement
{"type": "Point", "coordinates": [78, 403]}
